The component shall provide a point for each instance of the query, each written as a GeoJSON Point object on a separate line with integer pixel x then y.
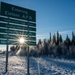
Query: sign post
{"type": "Point", "coordinates": [28, 53]}
{"type": "Point", "coordinates": [7, 47]}
{"type": "Point", "coordinates": [28, 62]}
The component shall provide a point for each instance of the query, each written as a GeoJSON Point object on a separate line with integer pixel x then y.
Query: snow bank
{"type": "Point", "coordinates": [38, 66]}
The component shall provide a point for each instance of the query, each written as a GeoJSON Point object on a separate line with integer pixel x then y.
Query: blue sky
{"type": "Point", "coordinates": [51, 15]}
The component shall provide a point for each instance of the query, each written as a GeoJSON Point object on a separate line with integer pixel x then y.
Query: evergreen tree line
{"type": "Point", "coordinates": [56, 46]}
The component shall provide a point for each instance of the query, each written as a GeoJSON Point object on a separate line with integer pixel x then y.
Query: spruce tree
{"type": "Point", "coordinates": [54, 38]}
{"type": "Point", "coordinates": [73, 38]}
{"type": "Point", "coordinates": [60, 39]}
{"type": "Point", "coordinates": [50, 37]}
{"type": "Point", "coordinates": [57, 38]}
{"type": "Point", "coordinates": [45, 47]}
{"type": "Point", "coordinates": [68, 42]}
{"type": "Point", "coordinates": [39, 42]}
{"type": "Point", "coordinates": [49, 40]}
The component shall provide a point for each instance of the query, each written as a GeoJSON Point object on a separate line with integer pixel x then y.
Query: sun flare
{"type": "Point", "coordinates": [21, 40]}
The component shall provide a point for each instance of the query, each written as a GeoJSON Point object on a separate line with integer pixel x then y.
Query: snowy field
{"type": "Point", "coordinates": [38, 66]}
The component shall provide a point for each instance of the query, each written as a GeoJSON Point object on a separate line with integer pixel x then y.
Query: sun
{"type": "Point", "coordinates": [21, 40]}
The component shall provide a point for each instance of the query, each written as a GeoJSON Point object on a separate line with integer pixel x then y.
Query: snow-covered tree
{"type": "Point", "coordinates": [73, 38]}
{"type": "Point", "coordinates": [60, 39]}
{"type": "Point", "coordinates": [57, 38]}
{"type": "Point", "coordinates": [54, 39]}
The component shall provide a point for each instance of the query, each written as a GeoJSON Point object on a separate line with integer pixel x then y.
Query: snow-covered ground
{"type": "Point", "coordinates": [38, 66]}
